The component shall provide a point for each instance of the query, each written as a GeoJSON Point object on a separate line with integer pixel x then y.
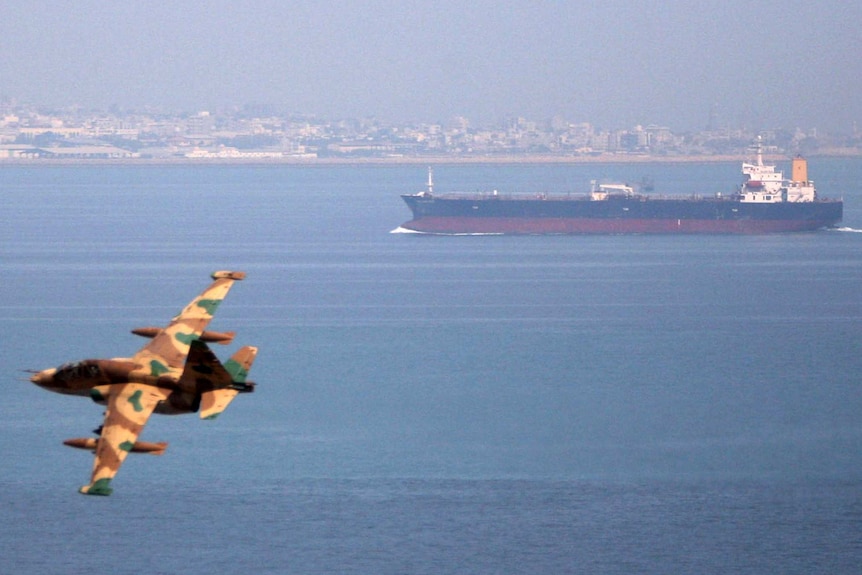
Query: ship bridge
{"type": "Point", "coordinates": [764, 184]}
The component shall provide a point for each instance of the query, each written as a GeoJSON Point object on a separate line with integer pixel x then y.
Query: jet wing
{"type": "Point", "coordinates": [166, 353]}
{"type": "Point", "coordinates": [129, 407]}
{"type": "Point", "coordinates": [203, 369]}
{"type": "Point", "coordinates": [216, 384]}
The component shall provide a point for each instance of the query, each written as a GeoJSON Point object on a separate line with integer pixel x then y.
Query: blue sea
{"type": "Point", "coordinates": [435, 405]}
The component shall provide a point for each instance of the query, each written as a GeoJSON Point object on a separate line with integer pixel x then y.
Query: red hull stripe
{"type": "Point", "coordinates": [468, 225]}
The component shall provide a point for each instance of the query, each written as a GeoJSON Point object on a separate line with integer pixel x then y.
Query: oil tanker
{"type": "Point", "coordinates": [765, 202]}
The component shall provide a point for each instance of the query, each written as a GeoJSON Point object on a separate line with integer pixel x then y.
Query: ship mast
{"type": "Point", "coordinates": [430, 180]}
{"type": "Point", "coordinates": [759, 152]}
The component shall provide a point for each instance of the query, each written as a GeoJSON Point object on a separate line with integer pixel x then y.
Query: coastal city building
{"type": "Point", "coordinates": [28, 132]}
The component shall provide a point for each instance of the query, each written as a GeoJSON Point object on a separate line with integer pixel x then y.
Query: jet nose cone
{"type": "Point", "coordinates": [43, 378]}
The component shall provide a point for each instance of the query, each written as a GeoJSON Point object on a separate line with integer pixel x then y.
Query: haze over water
{"type": "Point", "coordinates": [609, 404]}
{"type": "Point", "coordinates": [682, 64]}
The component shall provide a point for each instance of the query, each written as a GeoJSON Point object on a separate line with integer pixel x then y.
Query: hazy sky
{"type": "Point", "coordinates": [614, 63]}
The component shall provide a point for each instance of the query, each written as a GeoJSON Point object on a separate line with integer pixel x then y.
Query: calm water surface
{"type": "Point", "coordinates": [619, 404]}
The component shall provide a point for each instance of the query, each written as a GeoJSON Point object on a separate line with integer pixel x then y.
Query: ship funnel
{"type": "Point", "coordinates": [799, 169]}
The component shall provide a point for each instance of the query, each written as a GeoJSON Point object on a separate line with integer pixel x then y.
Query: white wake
{"type": "Point", "coordinates": [400, 230]}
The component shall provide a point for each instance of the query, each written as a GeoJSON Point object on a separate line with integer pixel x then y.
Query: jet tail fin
{"type": "Point", "coordinates": [216, 401]}
{"type": "Point", "coordinates": [239, 365]}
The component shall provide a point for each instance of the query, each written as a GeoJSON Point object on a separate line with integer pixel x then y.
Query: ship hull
{"type": "Point", "coordinates": [495, 215]}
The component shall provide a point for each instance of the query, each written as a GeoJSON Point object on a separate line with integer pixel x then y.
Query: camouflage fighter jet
{"type": "Point", "coordinates": [175, 373]}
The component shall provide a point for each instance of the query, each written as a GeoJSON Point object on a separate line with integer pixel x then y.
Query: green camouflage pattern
{"type": "Point", "coordinates": [175, 373]}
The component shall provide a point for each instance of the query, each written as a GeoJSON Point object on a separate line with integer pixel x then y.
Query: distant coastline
{"type": "Point", "coordinates": [501, 159]}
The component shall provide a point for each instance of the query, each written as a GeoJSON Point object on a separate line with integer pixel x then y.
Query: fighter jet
{"type": "Point", "coordinates": [175, 373]}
